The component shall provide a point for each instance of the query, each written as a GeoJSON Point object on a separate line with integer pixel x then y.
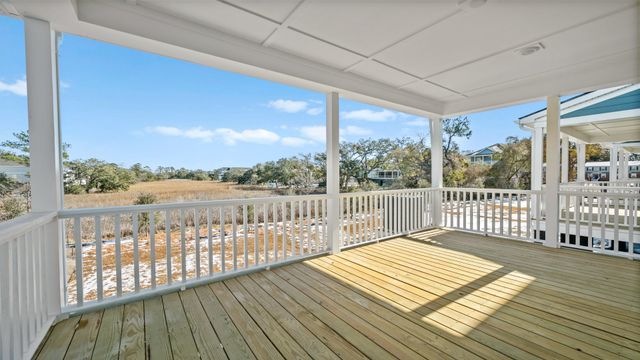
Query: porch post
{"type": "Point", "coordinates": [333, 170]}
{"type": "Point", "coordinates": [537, 141]}
{"type": "Point", "coordinates": [613, 162]}
{"type": "Point", "coordinates": [553, 171]}
{"type": "Point", "coordinates": [622, 155]}
{"type": "Point", "coordinates": [565, 159]}
{"type": "Point", "coordinates": [580, 170]}
{"type": "Point", "coordinates": [536, 158]}
{"type": "Point", "coordinates": [436, 167]}
{"type": "Point", "coordinates": [44, 145]}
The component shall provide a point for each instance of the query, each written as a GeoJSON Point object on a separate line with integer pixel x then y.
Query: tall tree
{"type": "Point", "coordinates": [17, 150]}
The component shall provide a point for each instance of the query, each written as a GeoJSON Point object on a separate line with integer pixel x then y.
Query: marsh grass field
{"type": "Point", "coordinates": [167, 191]}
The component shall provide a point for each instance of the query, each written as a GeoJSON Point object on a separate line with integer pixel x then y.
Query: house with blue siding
{"type": "Point", "coordinates": [485, 156]}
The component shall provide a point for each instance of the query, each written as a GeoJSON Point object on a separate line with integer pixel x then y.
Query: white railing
{"type": "Point", "coordinates": [515, 214]}
{"type": "Point", "coordinates": [125, 252]}
{"type": "Point", "coordinates": [25, 287]}
{"type": "Point", "coordinates": [603, 222]}
{"type": "Point", "coordinates": [372, 216]}
{"type": "Point", "coordinates": [615, 183]}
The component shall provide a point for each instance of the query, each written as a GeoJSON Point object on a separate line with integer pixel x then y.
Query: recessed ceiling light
{"type": "Point", "coordinates": [470, 4]}
{"type": "Point", "coordinates": [529, 49]}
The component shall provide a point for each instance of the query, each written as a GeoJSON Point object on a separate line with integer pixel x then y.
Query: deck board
{"type": "Point", "coordinates": [436, 294]}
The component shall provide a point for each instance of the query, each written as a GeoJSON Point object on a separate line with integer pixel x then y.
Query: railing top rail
{"type": "Point", "coordinates": [12, 228]}
{"type": "Point", "coordinates": [395, 191]}
{"type": "Point", "coordinates": [490, 190]}
{"type": "Point", "coordinates": [68, 213]}
{"type": "Point", "coordinates": [601, 194]}
{"type": "Point", "coordinates": [600, 188]}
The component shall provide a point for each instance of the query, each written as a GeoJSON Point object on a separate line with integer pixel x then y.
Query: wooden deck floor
{"type": "Point", "coordinates": [436, 295]}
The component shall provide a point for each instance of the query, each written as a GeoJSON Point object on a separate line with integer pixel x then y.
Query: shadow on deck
{"type": "Point", "coordinates": [436, 294]}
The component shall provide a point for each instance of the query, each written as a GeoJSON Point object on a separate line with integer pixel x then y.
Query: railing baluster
{"type": "Point", "coordinates": [509, 223]}
{"type": "Point", "coordinates": [577, 218]}
{"type": "Point", "coordinates": [365, 218]}
{"type": "Point", "coordinates": [292, 225]}
{"type": "Point", "coordinates": [486, 216]}
{"type": "Point", "coordinates": [616, 222]}
{"type": "Point", "coordinates": [265, 232]}
{"type": "Point", "coordinates": [633, 206]}
{"type": "Point", "coordinates": [183, 246]}
{"type": "Point", "coordinates": [118, 235]}
{"type": "Point", "coordinates": [275, 232]}
{"type": "Point", "coordinates": [223, 239]}
{"type": "Point", "coordinates": [245, 236]}
{"type": "Point", "coordinates": [603, 221]}
{"type": "Point", "coordinates": [464, 210]}
{"type": "Point", "coordinates": [300, 228]}
{"type": "Point", "coordinates": [315, 219]}
{"type": "Point", "coordinates": [152, 247]}
{"type": "Point", "coordinates": [528, 216]}
{"type": "Point", "coordinates": [77, 233]}
{"type": "Point", "coordinates": [98, 244]}
{"type": "Point", "coordinates": [136, 250]}
{"type": "Point", "coordinates": [234, 237]}
{"type": "Point", "coordinates": [567, 204]}
{"type": "Point", "coordinates": [256, 247]}
{"type": "Point", "coordinates": [210, 240]}
{"type": "Point", "coordinates": [538, 215]}
{"type": "Point", "coordinates": [167, 228]}
{"type": "Point", "coordinates": [196, 226]}
{"type": "Point", "coordinates": [590, 223]}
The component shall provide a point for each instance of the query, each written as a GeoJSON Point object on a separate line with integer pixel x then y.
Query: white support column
{"type": "Point", "coordinates": [537, 142]}
{"type": "Point", "coordinates": [565, 160]}
{"type": "Point", "coordinates": [623, 164]}
{"type": "Point", "coordinates": [553, 171]}
{"type": "Point", "coordinates": [580, 170]}
{"type": "Point", "coordinates": [626, 165]}
{"type": "Point", "coordinates": [436, 166]}
{"type": "Point", "coordinates": [613, 163]}
{"type": "Point", "coordinates": [333, 170]}
{"type": "Point", "coordinates": [44, 144]}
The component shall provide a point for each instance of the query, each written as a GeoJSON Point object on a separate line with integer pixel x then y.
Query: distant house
{"type": "Point", "coordinates": [599, 170]}
{"type": "Point", "coordinates": [15, 170]}
{"type": "Point", "coordinates": [485, 156]}
{"type": "Point", "coordinates": [382, 177]}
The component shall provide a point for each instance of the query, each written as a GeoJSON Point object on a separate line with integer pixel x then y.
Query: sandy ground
{"type": "Point", "coordinates": [311, 241]}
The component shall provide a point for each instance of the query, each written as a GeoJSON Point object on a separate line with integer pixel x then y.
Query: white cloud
{"type": "Point", "coordinates": [165, 130]}
{"type": "Point", "coordinates": [355, 131]}
{"type": "Point", "coordinates": [369, 115]}
{"type": "Point", "coordinates": [318, 133]}
{"type": "Point", "coordinates": [422, 122]}
{"type": "Point", "coordinates": [295, 141]}
{"type": "Point", "coordinates": [19, 87]}
{"type": "Point", "coordinates": [288, 106]}
{"type": "Point", "coordinates": [228, 136]}
{"type": "Point", "coordinates": [314, 133]}
{"type": "Point", "coordinates": [315, 111]}
{"type": "Point", "coordinates": [64, 85]}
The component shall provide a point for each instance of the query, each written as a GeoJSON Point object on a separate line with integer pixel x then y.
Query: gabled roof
{"type": "Point", "coordinates": [491, 149]}
{"type": "Point", "coordinates": [604, 116]}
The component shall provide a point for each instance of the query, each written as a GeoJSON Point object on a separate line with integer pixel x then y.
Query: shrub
{"type": "Point", "coordinates": [143, 218]}
{"type": "Point", "coordinates": [145, 199]}
{"type": "Point", "coordinates": [11, 207]}
{"type": "Point", "coordinates": [74, 189]}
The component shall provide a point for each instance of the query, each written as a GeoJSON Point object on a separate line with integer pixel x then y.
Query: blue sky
{"type": "Point", "coordinates": [127, 106]}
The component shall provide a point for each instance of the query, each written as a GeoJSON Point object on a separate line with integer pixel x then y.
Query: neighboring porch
{"type": "Point", "coordinates": [431, 294]}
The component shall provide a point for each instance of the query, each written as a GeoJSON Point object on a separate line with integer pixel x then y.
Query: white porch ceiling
{"type": "Point", "coordinates": [424, 57]}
